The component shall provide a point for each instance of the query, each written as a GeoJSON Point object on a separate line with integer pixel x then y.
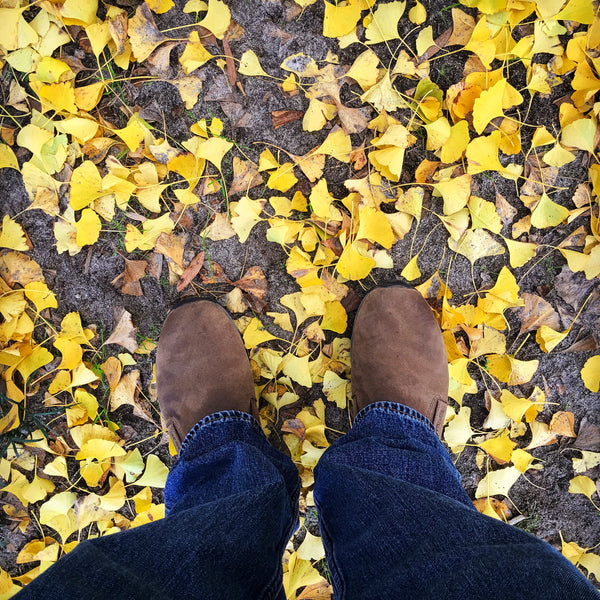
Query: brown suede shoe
{"type": "Point", "coordinates": [398, 354]}
{"type": "Point", "coordinates": [201, 367]}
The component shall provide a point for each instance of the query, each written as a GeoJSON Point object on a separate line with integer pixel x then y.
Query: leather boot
{"type": "Point", "coordinates": [398, 354]}
{"type": "Point", "coordinates": [201, 367]}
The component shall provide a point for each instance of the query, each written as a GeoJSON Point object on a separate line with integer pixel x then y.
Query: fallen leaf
{"type": "Point", "coordinates": [123, 333]}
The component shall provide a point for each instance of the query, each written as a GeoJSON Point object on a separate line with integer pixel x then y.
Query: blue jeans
{"type": "Point", "coordinates": [394, 518]}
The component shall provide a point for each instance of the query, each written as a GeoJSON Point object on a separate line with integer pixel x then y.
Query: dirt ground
{"type": "Point", "coordinates": [275, 30]}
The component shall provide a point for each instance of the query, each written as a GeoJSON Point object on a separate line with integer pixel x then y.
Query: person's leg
{"type": "Point", "coordinates": [232, 501]}
{"type": "Point", "coordinates": [396, 523]}
{"type": "Point", "coordinates": [231, 498]}
{"type": "Point", "coordinates": [395, 520]}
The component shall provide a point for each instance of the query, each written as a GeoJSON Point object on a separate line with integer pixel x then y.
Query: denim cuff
{"type": "Point", "coordinates": [224, 416]}
{"type": "Point", "coordinates": [388, 407]}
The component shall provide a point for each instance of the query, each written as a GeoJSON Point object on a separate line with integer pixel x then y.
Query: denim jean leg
{"type": "Point", "coordinates": [231, 507]}
{"type": "Point", "coordinates": [396, 523]}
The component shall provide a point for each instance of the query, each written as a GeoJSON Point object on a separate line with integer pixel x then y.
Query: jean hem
{"type": "Point", "coordinates": [224, 416]}
{"type": "Point", "coordinates": [385, 406]}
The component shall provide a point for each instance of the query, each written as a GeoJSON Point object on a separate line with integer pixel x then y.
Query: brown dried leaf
{"type": "Point", "coordinates": [282, 117]}
{"type": "Point", "coordinates": [505, 209]}
{"type": "Point", "coordinates": [231, 72]}
{"type": "Point", "coordinates": [112, 368]}
{"type": "Point", "coordinates": [118, 31]}
{"type": "Point", "coordinates": [159, 62]}
{"type": "Point", "coordinates": [582, 196]}
{"type": "Point", "coordinates": [124, 333]}
{"type": "Point", "coordinates": [295, 426]}
{"type": "Point", "coordinates": [190, 271]}
{"type": "Point", "coordinates": [127, 392]}
{"type": "Point", "coordinates": [16, 267]}
{"type": "Point", "coordinates": [245, 176]}
{"type": "Point", "coordinates": [589, 436]}
{"type": "Point", "coordinates": [537, 312]}
{"type": "Point", "coordinates": [171, 246]}
{"type": "Point", "coordinates": [155, 261]}
{"type": "Point", "coordinates": [317, 591]}
{"type": "Point", "coordinates": [583, 345]}
{"type": "Point", "coordinates": [254, 283]}
{"type": "Point", "coordinates": [462, 28]}
{"type": "Point", "coordinates": [563, 423]}
{"type": "Point", "coordinates": [214, 274]}
{"type": "Point", "coordinates": [440, 42]}
{"type": "Point", "coordinates": [143, 33]}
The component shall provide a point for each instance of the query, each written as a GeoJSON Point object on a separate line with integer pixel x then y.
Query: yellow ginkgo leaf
{"type": "Point", "coordinates": [364, 69]}
{"type": "Point", "coordinates": [455, 192]}
{"type": "Point", "coordinates": [549, 338]}
{"type": "Point", "coordinates": [458, 432]}
{"type": "Point", "coordinates": [250, 65]}
{"type": "Point", "coordinates": [411, 271]}
{"type": "Point", "coordinates": [155, 473]}
{"type": "Point", "coordinates": [582, 484]}
{"type": "Point", "coordinates": [88, 228]}
{"type": "Point", "coordinates": [12, 235]}
{"type": "Point", "coordinates": [576, 10]}
{"type": "Point", "coordinates": [159, 7]}
{"type": "Point", "coordinates": [194, 55]}
{"type": "Point", "coordinates": [510, 370]}
{"type": "Point", "coordinates": [375, 227]}
{"type": "Point", "coordinates": [213, 150]}
{"type": "Point", "coordinates": [296, 368]}
{"type": "Point", "coordinates": [8, 158]}
{"type": "Point", "coordinates": [353, 264]}
{"type": "Point", "coordinates": [383, 25]}
{"type": "Point", "coordinates": [548, 213]}
{"type": "Point", "coordinates": [591, 373]}
{"type": "Point", "coordinates": [217, 19]}
{"type": "Point", "coordinates": [520, 252]}
{"type": "Point", "coordinates": [417, 14]}
{"type": "Point", "coordinates": [337, 144]}
{"type": "Point", "coordinates": [558, 156]}
{"type": "Point", "coordinates": [255, 334]}
{"type": "Point", "coordinates": [497, 483]}
{"type": "Point", "coordinates": [340, 20]}
{"type": "Point", "coordinates": [500, 447]}
{"type": "Point", "coordinates": [579, 134]}
{"type": "Point", "coordinates": [476, 244]}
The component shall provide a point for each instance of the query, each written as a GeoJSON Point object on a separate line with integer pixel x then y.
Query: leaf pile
{"type": "Point", "coordinates": [417, 157]}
